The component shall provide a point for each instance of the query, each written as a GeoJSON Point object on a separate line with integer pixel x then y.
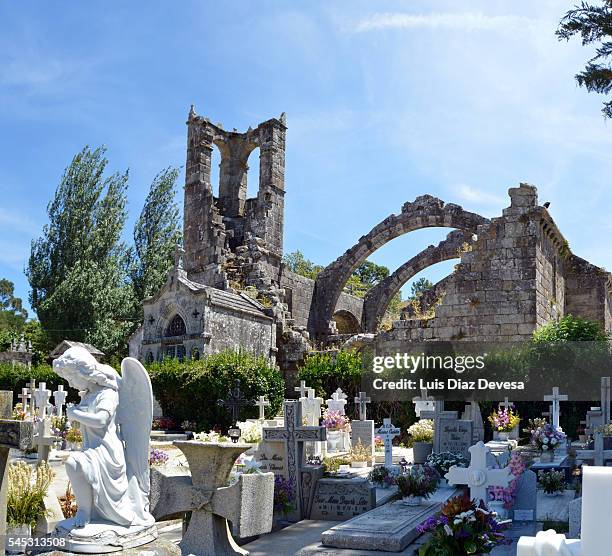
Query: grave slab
{"type": "Point", "coordinates": [391, 527]}
{"type": "Point", "coordinates": [554, 508]}
{"type": "Point", "coordinates": [342, 499]}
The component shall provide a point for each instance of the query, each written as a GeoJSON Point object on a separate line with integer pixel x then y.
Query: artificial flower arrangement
{"type": "Point", "coordinates": [420, 481]}
{"type": "Point", "coordinates": [212, 436]}
{"type": "Point", "coordinates": [443, 461]}
{"type": "Point", "coordinates": [533, 425]}
{"type": "Point", "coordinates": [68, 502]}
{"type": "Point", "coordinates": [421, 431]}
{"type": "Point", "coordinates": [547, 437]}
{"type": "Point", "coordinates": [332, 465]}
{"type": "Point", "coordinates": [504, 420]}
{"type": "Point", "coordinates": [379, 444]}
{"type": "Point", "coordinates": [189, 425]}
{"type": "Point", "coordinates": [461, 528]}
{"type": "Point", "coordinates": [335, 421]}
{"type": "Point", "coordinates": [18, 412]}
{"type": "Point", "coordinates": [284, 495]}
{"type": "Point", "coordinates": [158, 457]}
{"type": "Point", "coordinates": [552, 482]}
{"type": "Point", "coordinates": [74, 434]}
{"type": "Point", "coordinates": [27, 486]}
{"type": "Point", "coordinates": [250, 431]}
{"type": "Point", "coordinates": [359, 454]}
{"type": "Point", "coordinates": [508, 494]}
{"type": "Point", "coordinates": [382, 476]}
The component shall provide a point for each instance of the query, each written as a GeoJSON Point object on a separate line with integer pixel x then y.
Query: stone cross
{"type": "Point", "coordinates": [59, 398]}
{"type": "Point", "coordinates": [555, 398]}
{"type": "Point", "coordinates": [477, 476]}
{"type": "Point", "coordinates": [438, 415]}
{"type": "Point", "coordinates": [302, 389]}
{"type": "Point", "coordinates": [247, 503]}
{"type": "Point", "coordinates": [605, 399]}
{"type": "Point", "coordinates": [387, 432]}
{"type": "Point", "coordinates": [339, 394]}
{"type": "Point", "coordinates": [24, 397]}
{"type": "Point", "coordinates": [362, 400]}
{"type": "Point", "coordinates": [235, 401]}
{"type": "Point", "coordinates": [42, 396]}
{"type": "Point", "coordinates": [337, 402]}
{"type": "Point", "coordinates": [597, 454]}
{"type": "Point", "coordinates": [312, 407]}
{"type": "Point", "coordinates": [31, 390]}
{"type": "Point", "coordinates": [294, 435]}
{"type": "Point", "coordinates": [423, 402]}
{"type": "Point", "coordinates": [506, 404]}
{"type": "Point", "coordinates": [44, 439]}
{"type": "Point", "coordinates": [262, 403]}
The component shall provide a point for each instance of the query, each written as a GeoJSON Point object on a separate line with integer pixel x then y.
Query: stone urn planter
{"type": "Point", "coordinates": [334, 439]}
{"type": "Point", "coordinates": [359, 464]}
{"type": "Point", "coordinates": [420, 451]}
{"type": "Point", "coordinates": [16, 540]}
{"type": "Point", "coordinates": [413, 500]}
{"type": "Point", "coordinates": [547, 456]}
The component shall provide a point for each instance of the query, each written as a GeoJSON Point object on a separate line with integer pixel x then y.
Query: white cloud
{"type": "Point", "coordinates": [15, 222]}
{"type": "Point", "coordinates": [466, 21]}
{"type": "Point", "coordinates": [480, 197]}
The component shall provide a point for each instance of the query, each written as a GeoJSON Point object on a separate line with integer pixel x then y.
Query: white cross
{"type": "Point", "coordinates": [59, 397]}
{"type": "Point", "coordinates": [337, 402]}
{"type": "Point", "coordinates": [423, 402]}
{"type": "Point", "coordinates": [477, 476]}
{"type": "Point", "coordinates": [388, 431]}
{"type": "Point", "coordinates": [555, 398]}
{"type": "Point", "coordinates": [312, 407]}
{"type": "Point", "coordinates": [24, 397]}
{"type": "Point", "coordinates": [44, 439]}
{"type": "Point", "coordinates": [599, 456]}
{"type": "Point", "coordinates": [339, 395]}
{"type": "Point", "coordinates": [262, 404]}
{"type": "Point", "coordinates": [42, 396]}
{"type": "Point", "coordinates": [302, 388]}
{"type": "Point", "coordinates": [506, 404]}
{"type": "Point", "coordinates": [362, 400]}
{"type": "Point", "coordinates": [31, 390]}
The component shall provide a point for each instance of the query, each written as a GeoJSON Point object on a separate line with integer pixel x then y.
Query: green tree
{"type": "Point", "coordinates": [296, 262]}
{"type": "Point", "coordinates": [156, 235]}
{"type": "Point", "coordinates": [370, 273]}
{"type": "Point", "coordinates": [78, 267]}
{"type": "Point", "coordinates": [12, 314]}
{"type": "Point", "coordinates": [593, 23]}
{"type": "Point", "coordinates": [418, 288]}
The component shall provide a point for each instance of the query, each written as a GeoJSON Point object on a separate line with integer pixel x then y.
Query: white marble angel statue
{"type": "Point", "coordinates": [110, 476]}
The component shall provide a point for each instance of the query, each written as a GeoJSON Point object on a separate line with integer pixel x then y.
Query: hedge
{"type": "Point", "coordinates": [16, 377]}
{"type": "Point", "coordinates": [190, 390]}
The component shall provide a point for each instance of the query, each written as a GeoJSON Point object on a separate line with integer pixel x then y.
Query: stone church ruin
{"type": "Point", "coordinates": [230, 288]}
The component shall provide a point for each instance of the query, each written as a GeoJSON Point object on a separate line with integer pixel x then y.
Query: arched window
{"type": "Point", "coordinates": [176, 327]}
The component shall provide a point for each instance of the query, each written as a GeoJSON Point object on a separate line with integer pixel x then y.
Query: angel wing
{"type": "Point", "coordinates": [135, 414]}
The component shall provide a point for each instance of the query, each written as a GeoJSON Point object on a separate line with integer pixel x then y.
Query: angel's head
{"type": "Point", "coordinates": [82, 371]}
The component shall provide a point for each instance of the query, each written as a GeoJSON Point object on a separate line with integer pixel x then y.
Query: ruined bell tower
{"type": "Point", "coordinates": [223, 234]}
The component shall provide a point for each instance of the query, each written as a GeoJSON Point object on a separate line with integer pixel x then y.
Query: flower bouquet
{"type": "Point", "coordinates": [158, 457]}
{"type": "Point", "coordinates": [379, 444]}
{"type": "Point", "coordinates": [250, 432]}
{"type": "Point", "coordinates": [552, 482]}
{"type": "Point", "coordinates": [360, 456]}
{"type": "Point", "coordinates": [443, 461]}
{"type": "Point", "coordinates": [546, 438]}
{"type": "Point", "coordinates": [336, 424]}
{"type": "Point", "coordinates": [420, 482]}
{"type": "Point", "coordinates": [382, 477]}
{"type": "Point", "coordinates": [462, 528]}
{"type": "Point", "coordinates": [504, 421]}
{"type": "Point", "coordinates": [421, 439]}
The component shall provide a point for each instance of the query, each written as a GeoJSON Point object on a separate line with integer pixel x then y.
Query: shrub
{"type": "Point", "coordinates": [421, 431]}
{"type": "Point", "coordinates": [570, 329]}
{"type": "Point", "coordinates": [27, 487]}
{"type": "Point", "coordinates": [16, 377]}
{"type": "Point", "coordinates": [189, 390]}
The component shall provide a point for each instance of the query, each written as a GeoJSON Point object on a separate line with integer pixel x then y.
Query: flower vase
{"type": "Point", "coordinates": [547, 456]}
{"type": "Point", "coordinates": [503, 436]}
{"type": "Point", "coordinates": [413, 500]}
{"type": "Point", "coordinates": [16, 539]}
{"type": "Point", "coordinates": [334, 438]}
{"type": "Point", "coordinates": [420, 451]}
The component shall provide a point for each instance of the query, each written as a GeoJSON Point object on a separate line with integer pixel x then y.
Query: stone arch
{"type": "Point", "coordinates": [346, 322]}
{"type": "Point", "coordinates": [424, 212]}
{"type": "Point", "coordinates": [378, 298]}
{"type": "Point", "coordinates": [176, 326]}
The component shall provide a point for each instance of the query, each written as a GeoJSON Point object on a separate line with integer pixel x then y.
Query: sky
{"type": "Point", "coordinates": [385, 101]}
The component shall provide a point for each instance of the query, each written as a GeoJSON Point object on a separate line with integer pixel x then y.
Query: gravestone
{"type": "Point", "coordinates": [525, 507]}
{"type": "Point", "coordinates": [387, 432]}
{"type": "Point", "coordinates": [234, 402]}
{"type": "Point", "coordinates": [453, 435]}
{"type": "Point", "coordinates": [423, 402]}
{"type": "Point", "coordinates": [59, 398]}
{"type": "Point", "coordinates": [597, 455]}
{"type": "Point", "coordinates": [262, 403]}
{"type": "Point", "coordinates": [555, 398]}
{"type": "Point", "coordinates": [342, 499]}
{"type": "Point", "coordinates": [294, 435]}
{"type": "Point", "coordinates": [472, 413]}
{"type": "Point", "coordinates": [361, 403]}
{"type": "Point", "coordinates": [271, 457]}
{"type": "Point", "coordinates": [337, 402]}
{"type": "Point", "coordinates": [247, 504]}
{"type": "Point", "coordinates": [478, 477]}
{"type": "Point", "coordinates": [6, 403]}
{"type": "Point", "coordinates": [575, 515]}
{"type": "Point", "coordinates": [437, 414]}
{"type": "Point", "coordinates": [31, 390]}
{"type": "Point", "coordinates": [42, 396]}
{"type": "Point", "coordinates": [363, 431]}
{"type": "Point", "coordinates": [311, 414]}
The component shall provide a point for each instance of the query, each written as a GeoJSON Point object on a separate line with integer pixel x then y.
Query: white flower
{"type": "Point", "coordinates": [545, 447]}
{"type": "Point", "coordinates": [553, 441]}
{"type": "Point", "coordinates": [545, 440]}
{"type": "Point", "coordinates": [250, 431]}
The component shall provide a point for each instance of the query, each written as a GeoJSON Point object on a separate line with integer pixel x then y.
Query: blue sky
{"type": "Point", "coordinates": [385, 101]}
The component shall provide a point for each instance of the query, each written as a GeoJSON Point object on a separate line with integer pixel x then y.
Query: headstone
{"type": "Point", "coordinates": [477, 476]}
{"type": "Point", "coordinates": [247, 504]}
{"type": "Point", "coordinates": [337, 402]}
{"type": "Point", "coordinates": [361, 402]}
{"type": "Point", "coordinates": [271, 457]}
{"type": "Point", "coordinates": [294, 435]}
{"type": "Point", "coordinates": [575, 515]}
{"type": "Point", "coordinates": [302, 389]}
{"type": "Point", "coordinates": [44, 440]}
{"type": "Point", "coordinates": [42, 395]}
{"type": "Point", "coordinates": [342, 499]}
{"type": "Point", "coordinates": [472, 413]}
{"type": "Point", "coordinates": [555, 398]}
{"type": "Point", "coordinates": [363, 431]}
{"type": "Point", "coordinates": [597, 455]}
{"type": "Point", "coordinates": [437, 415]}
{"type": "Point", "coordinates": [6, 404]}
{"type": "Point", "coordinates": [262, 403]}
{"type": "Point", "coordinates": [387, 432]}
{"type": "Point", "coordinates": [59, 398]}
{"type": "Point", "coordinates": [234, 402]}
{"type": "Point", "coordinates": [506, 404]}
{"type": "Point", "coordinates": [31, 390]}
{"type": "Point", "coordinates": [423, 402]}
{"type": "Point", "coordinates": [311, 414]}
{"type": "Point", "coordinates": [24, 397]}
{"type": "Point", "coordinates": [453, 435]}
{"type": "Point", "coordinates": [525, 505]}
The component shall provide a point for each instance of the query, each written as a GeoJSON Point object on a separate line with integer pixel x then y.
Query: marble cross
{"type": "Point", "coordinates": [42, 396]}
{"type": "Point", "coordinates": [506, 404]}
{"type": "Point", "coordinates": [555, 398]}
{"type": "Point", "coordinates": [362, 400]}
{"type": "Point", "coordinates": [387, 432]}
{"type": "Point", "coordinates": [262, 403]}
{"type": "Point", "coordinates": [24, 397]}
{"type": "Point", "coordinates": [311, 407]}
{"type": "Point", "coordinates": [44, 439]}
{"type": "Point", "coordinates": [337, 402]}
{"type": "Point", "coordinates": [302, 389]}
{"type": "Point", "coordinates": [599, 456]}
{"type": "Point", "coordinates": [31, 390]}
{"type": "Point", "coordinates": [477, 476]}
{"type": "Point", "coordinates": [59, 398]}
{"type": "Point", "coordinates": [294, 435]}
{"type": "Point", "coordinates": [235, 401]}
{"type": "Point", "coordinates": [339, 394]}
{"type": "Point", "coordinates": [423, 402]}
